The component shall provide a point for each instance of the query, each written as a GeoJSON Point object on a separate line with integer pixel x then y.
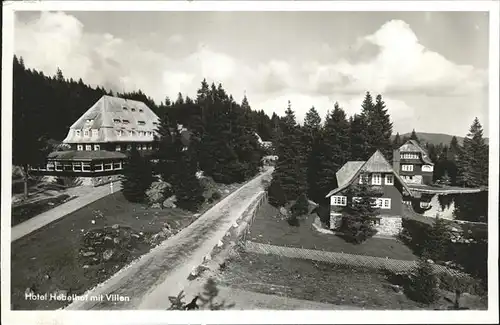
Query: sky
{"type": "Point", "coordinates": [431, 68]}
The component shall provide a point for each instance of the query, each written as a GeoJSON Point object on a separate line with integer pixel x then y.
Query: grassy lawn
{"type": "Point", "coordinates": [321, 282]}
{"type": "Point", "coordinates": [64, 255]}
{"type": "Point", "coordinates": [269, 229]}
{"type": "Point", "coordinates": [25, 211]}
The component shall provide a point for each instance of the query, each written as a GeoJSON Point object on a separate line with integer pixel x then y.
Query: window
{"type": "Point", "coordinates": [117, 165]}
{"type": "Point", "coordinates": [363, 178]}
{"type": "Point", "coordinates": [108, 166]}
{"type": "Point", "coordinates": [356, 199]}
{"type": "Point", "coordinates": [338, 200]}
{"type": "Point", "coordinates": [132, 133]}
{"type": "Point", "coordinates": [141, 122]}
{"type": "Point", "coordinates": [409, 156]}
{"type": "Point", "coordinates": [125, 108]}
{"type": "Point", "coordinates": [98, 167]}
{"type": "Point", "coordinates": [125, 121]}
{"type": "Point", "coordinates": [120, 133]}
{"type": "Point", "coordinates": [78, 133]}
{"type": "Point", "coordinates": [50, 166]}
{"type": "Point", "coordinates": [141, 133]}
{"type": "Point", "coordinates": [68, 167]}
{"type": "Point", "coordinates": [407, 168]}
{"type": "Point", "coordinates": [389, 179]}
{"type": "Point", "coordinates": [141, 110]}
{"type": "Point", "coordinates": [144, 147]}
{"type": "Point", "coordinates": [376, 179]}
{"type": "Point", "coordinates": [116, 120]}
{"type": "Point", "coordinates": [138, 147]}
{"type": "Point", "coordinates": [86, 133]}
{"type": "Point", "coordinates": [88, 147]}
{"type": "Point", "coordinates": [383, 203]}
{"type": "Point", "coordinates": [132, 109]}
{"type": "Point", "coordinates": [58, 166]}
{"type": "Point", "coordinates": [77, 166]}
{"type": "Point", "coordinates": [89, 120]}
{"type": "Point", "coordinates": [97, 147]}
{"type": "Point", "coordinates": [95, 132]}
{"type": "Point", "coordinates": [118, 148]}
{"type": "Point", "coordinates": [129, 147]}
{"type": "Point", "coordinates": [86, 167]}
{"type": "Point", "coordinates": [79, 147]}
{"type": "Point", "coordinates": [150, 147]}
{"type": "Point", "coordinates": [150, 133]}
{"type": "Point", "coordinates": [427, 168]}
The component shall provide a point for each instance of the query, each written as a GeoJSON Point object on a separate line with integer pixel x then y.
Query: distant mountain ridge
{"type": "Point", "coordinates": [434, 138]}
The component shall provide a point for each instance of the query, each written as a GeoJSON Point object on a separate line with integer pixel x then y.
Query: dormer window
{"type": "Point", "coordinates": [116, 120]}
{"type": "Point", "coordinates": [125, 121]}
{"type": "Point", "coordinates": [132, 109]}
{"type": "Point", "coordinates": [95, 133]}
{"type": "Point", "coordinates": [141, 110]}
{"type": "Point", "coordinates": [78, 133]}
{"type": "Point", "coordinates": [125, 108]}
{"type": "Point", "coordinates": [155, 123]}
{"type": "Point", "coordinates": [141, 122]}
{"type": "Point", "coordinates": [89, 120]}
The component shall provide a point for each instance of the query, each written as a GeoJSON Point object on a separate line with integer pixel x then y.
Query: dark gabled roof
{"type": "Point", "coordinates": [375, 164]}
{"type": "Point", "coordinates": [414, 146]}
{"type": "Point", "coordinates": [86, 155]}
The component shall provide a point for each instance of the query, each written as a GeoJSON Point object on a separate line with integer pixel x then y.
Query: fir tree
{"type": "Point", "coordinates": [312, 132]}
{"type": "Point", "coordinates": [423, 285]}
{"type": "Point", "coordinates": [396, 143]}
{"type": "Point", "coordinates": [334, 152]}
{"type": "Point", "coordinates": [437, 241]}
{"type": "Point", "coordinates": [359, 215]}
{"type": "Point", "coordinates": [277, 197]}
{"type": "Point", "coordinates": [290, 170]}
{"type": "Point", "coordinates": [187, 188]}
{"type": "Point", "coordinates": [360, 147]}
{"type": "Point", "coordinates": [473, 158]}
{"type": "Point", "coordinates": [414, 136]}
{"type": "Point", "coordinates": [137, 177]}
{"type": "Point", "coordinates": [301, 206]}
{"type": "Point", "coordinates": [380, 129]}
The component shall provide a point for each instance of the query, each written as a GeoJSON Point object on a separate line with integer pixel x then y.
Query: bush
{"type": "Point", "coordinates": [216, 196]}
{"type": "Point", "coordinates": [423, 284]}
{"type": "Point", "coordinates": [293, 220]}
{"type": "Point", "coordinates": [158, 192]}
{"type": "Point", "coordinates": [277, 197]}
{"type": "Point", "coordinates": [437, 241]}
{"type": "Point", "coordinates": [301, 206]}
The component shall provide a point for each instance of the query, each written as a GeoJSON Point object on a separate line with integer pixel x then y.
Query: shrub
{"type": "Point", "coordinates": [423, 284]}
{"type": "Point", "coordinates": [216, 196]}
{"type": "Point", "coordinates": [437, 241]}
{"type": "Point", "coordinates": [277, 197]}
{"type": "Point", "coordinates": [293, 220]}
{"type": "Point", "coordinates": [301, 206]}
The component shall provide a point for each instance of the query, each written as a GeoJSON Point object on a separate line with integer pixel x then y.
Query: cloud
{"type": "Point", "coordinates": [390, 61]}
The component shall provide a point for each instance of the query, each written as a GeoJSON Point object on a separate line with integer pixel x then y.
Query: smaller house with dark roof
{"type": "Point", "coordinates": [378, 172]}
{"type": "Point", "coordinates": [413, 164]}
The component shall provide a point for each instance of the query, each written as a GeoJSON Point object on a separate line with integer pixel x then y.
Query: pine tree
{"type": "Point", "coordinates": [333, 153]}
{"type": "Point", "coordinates": [358, 216]}
{"type": "Point", "coordinates": [381, 129]}
{"type": "Point", "coordinates": [396, 143]}
{"type": "Point", "coordinates": [137, 177]}
{"type": "Point", "coordinates": [360, 148]}
{"type": "Point", "coordinates": [187, 188]}
{"type": "Point", "coordinates": [290, 170]}
{"type": "Point", "coordinates": [423, 285]}
{"type": "Point", "coordinates": [473, 158]}
{"type": "Point", "coordinates": [312, 132]}
{"type": "Point", "coordinates": [414, 136]}
{"type": "Point", "coordinates": [437, 241]}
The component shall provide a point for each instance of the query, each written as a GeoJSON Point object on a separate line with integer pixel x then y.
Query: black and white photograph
{"type": "Point", "coordinates": [205, 156]}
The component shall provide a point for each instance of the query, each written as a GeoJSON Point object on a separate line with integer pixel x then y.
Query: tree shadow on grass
{"type": "Point", "coordinates": [206, 298]}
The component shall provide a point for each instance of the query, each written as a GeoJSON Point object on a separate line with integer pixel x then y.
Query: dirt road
{"type": "Point", "coordinates": [148, 282]}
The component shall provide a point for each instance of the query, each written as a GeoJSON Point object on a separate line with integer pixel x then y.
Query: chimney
{"type": "Point", "coordinates": [395, 160]}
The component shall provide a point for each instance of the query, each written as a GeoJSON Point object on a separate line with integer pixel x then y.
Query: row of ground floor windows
{"type": "Point", "coordinates": [88, 147]}
{"type": "Point", "coordinates": [78, 166]}
{"type": "Point", "coordinates": [381, 203]}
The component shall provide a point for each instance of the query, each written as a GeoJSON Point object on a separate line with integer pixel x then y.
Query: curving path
{"type": "Point", "coordinates": [163, 272]}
